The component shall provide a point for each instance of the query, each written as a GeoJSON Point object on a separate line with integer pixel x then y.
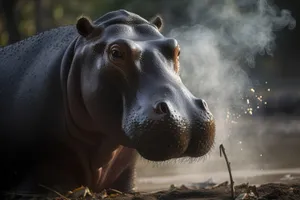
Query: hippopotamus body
{"type": "Point", "coordinates": [79, 103]}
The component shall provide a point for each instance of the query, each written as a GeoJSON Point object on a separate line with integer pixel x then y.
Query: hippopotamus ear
{"type": "Point", "coordinates": [85, 26]}
{"type": "Point", "coordinates": [157, 21]}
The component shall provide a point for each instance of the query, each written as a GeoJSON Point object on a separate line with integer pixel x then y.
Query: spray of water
{"type": "Point", "coordinates": [226, 35]}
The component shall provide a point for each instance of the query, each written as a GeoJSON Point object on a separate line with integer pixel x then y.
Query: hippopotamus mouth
{"type": "Point", "coordinates": [170, 135]}
{"type": "Point", "coordinates": [139, 73]}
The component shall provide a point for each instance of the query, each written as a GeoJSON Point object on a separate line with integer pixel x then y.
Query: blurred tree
{"type": "Point", "coordinates": [22, 18]}
{"type": "Point", "coordinates": [10, 21]}
{"type": "Point", "coordinates": [38, 15]}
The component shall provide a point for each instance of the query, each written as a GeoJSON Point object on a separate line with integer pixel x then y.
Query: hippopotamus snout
{"type": "Point", "coordinates": [170, 123]}
{"type": "Point", "coordinates": [162, 108]}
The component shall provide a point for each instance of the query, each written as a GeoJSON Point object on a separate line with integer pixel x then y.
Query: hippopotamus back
{"type": "Point", "coordinates": [30, 95]}
{"type": "Point", "coordinates": [30, 78]}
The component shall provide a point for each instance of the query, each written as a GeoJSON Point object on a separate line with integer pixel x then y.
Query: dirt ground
{"type": "Point", "coordinates": [269, 191]}
{"type": "Point", "coordinates": [265, 165]}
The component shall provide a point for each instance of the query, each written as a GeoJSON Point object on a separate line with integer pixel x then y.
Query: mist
{"type": "Point", "coordinates": [223, 39]}
{"type": "Point", "coordinates": [214, 51]}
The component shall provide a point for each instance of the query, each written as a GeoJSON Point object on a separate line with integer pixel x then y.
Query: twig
{"type": "Point", "coordinates": [116, 191]}
{"type": "Point", "coordinates": [62, 196]}
{"type": "Point", "coordinates": [222, 150]}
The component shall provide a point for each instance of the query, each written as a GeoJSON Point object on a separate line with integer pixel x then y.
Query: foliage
{"type": "Point", "coordinates": [34, 16]}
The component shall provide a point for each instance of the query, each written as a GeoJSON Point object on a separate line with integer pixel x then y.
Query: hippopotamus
{"type": "Point", "coordinates": [80, 103]}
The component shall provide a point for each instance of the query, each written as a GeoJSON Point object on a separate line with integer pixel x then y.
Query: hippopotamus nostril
{"type": "Point", "coordinates": [202, 104]}
{"type": "Point", "coordinates": [162, 108]}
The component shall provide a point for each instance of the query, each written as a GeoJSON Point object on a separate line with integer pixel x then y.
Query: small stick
{"type": "Point", "coordinates": [116, 191]}
{"type": "Point", "coordinates": [62, 196]}
{"type": "Point", "coordinates": [222, 151]}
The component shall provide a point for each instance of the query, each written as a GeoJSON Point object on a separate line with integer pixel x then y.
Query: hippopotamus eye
{"type": "Point", "coordinates": [116, 53]}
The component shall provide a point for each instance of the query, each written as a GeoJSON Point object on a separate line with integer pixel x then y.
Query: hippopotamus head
{"type": "Point", "coordinates": [130, 88]}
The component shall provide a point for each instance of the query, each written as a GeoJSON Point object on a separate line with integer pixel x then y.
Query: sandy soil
{"type": "Point", "coordinates": [265, 162]}
{"type": "Point", "coordinates": [261, 151]}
